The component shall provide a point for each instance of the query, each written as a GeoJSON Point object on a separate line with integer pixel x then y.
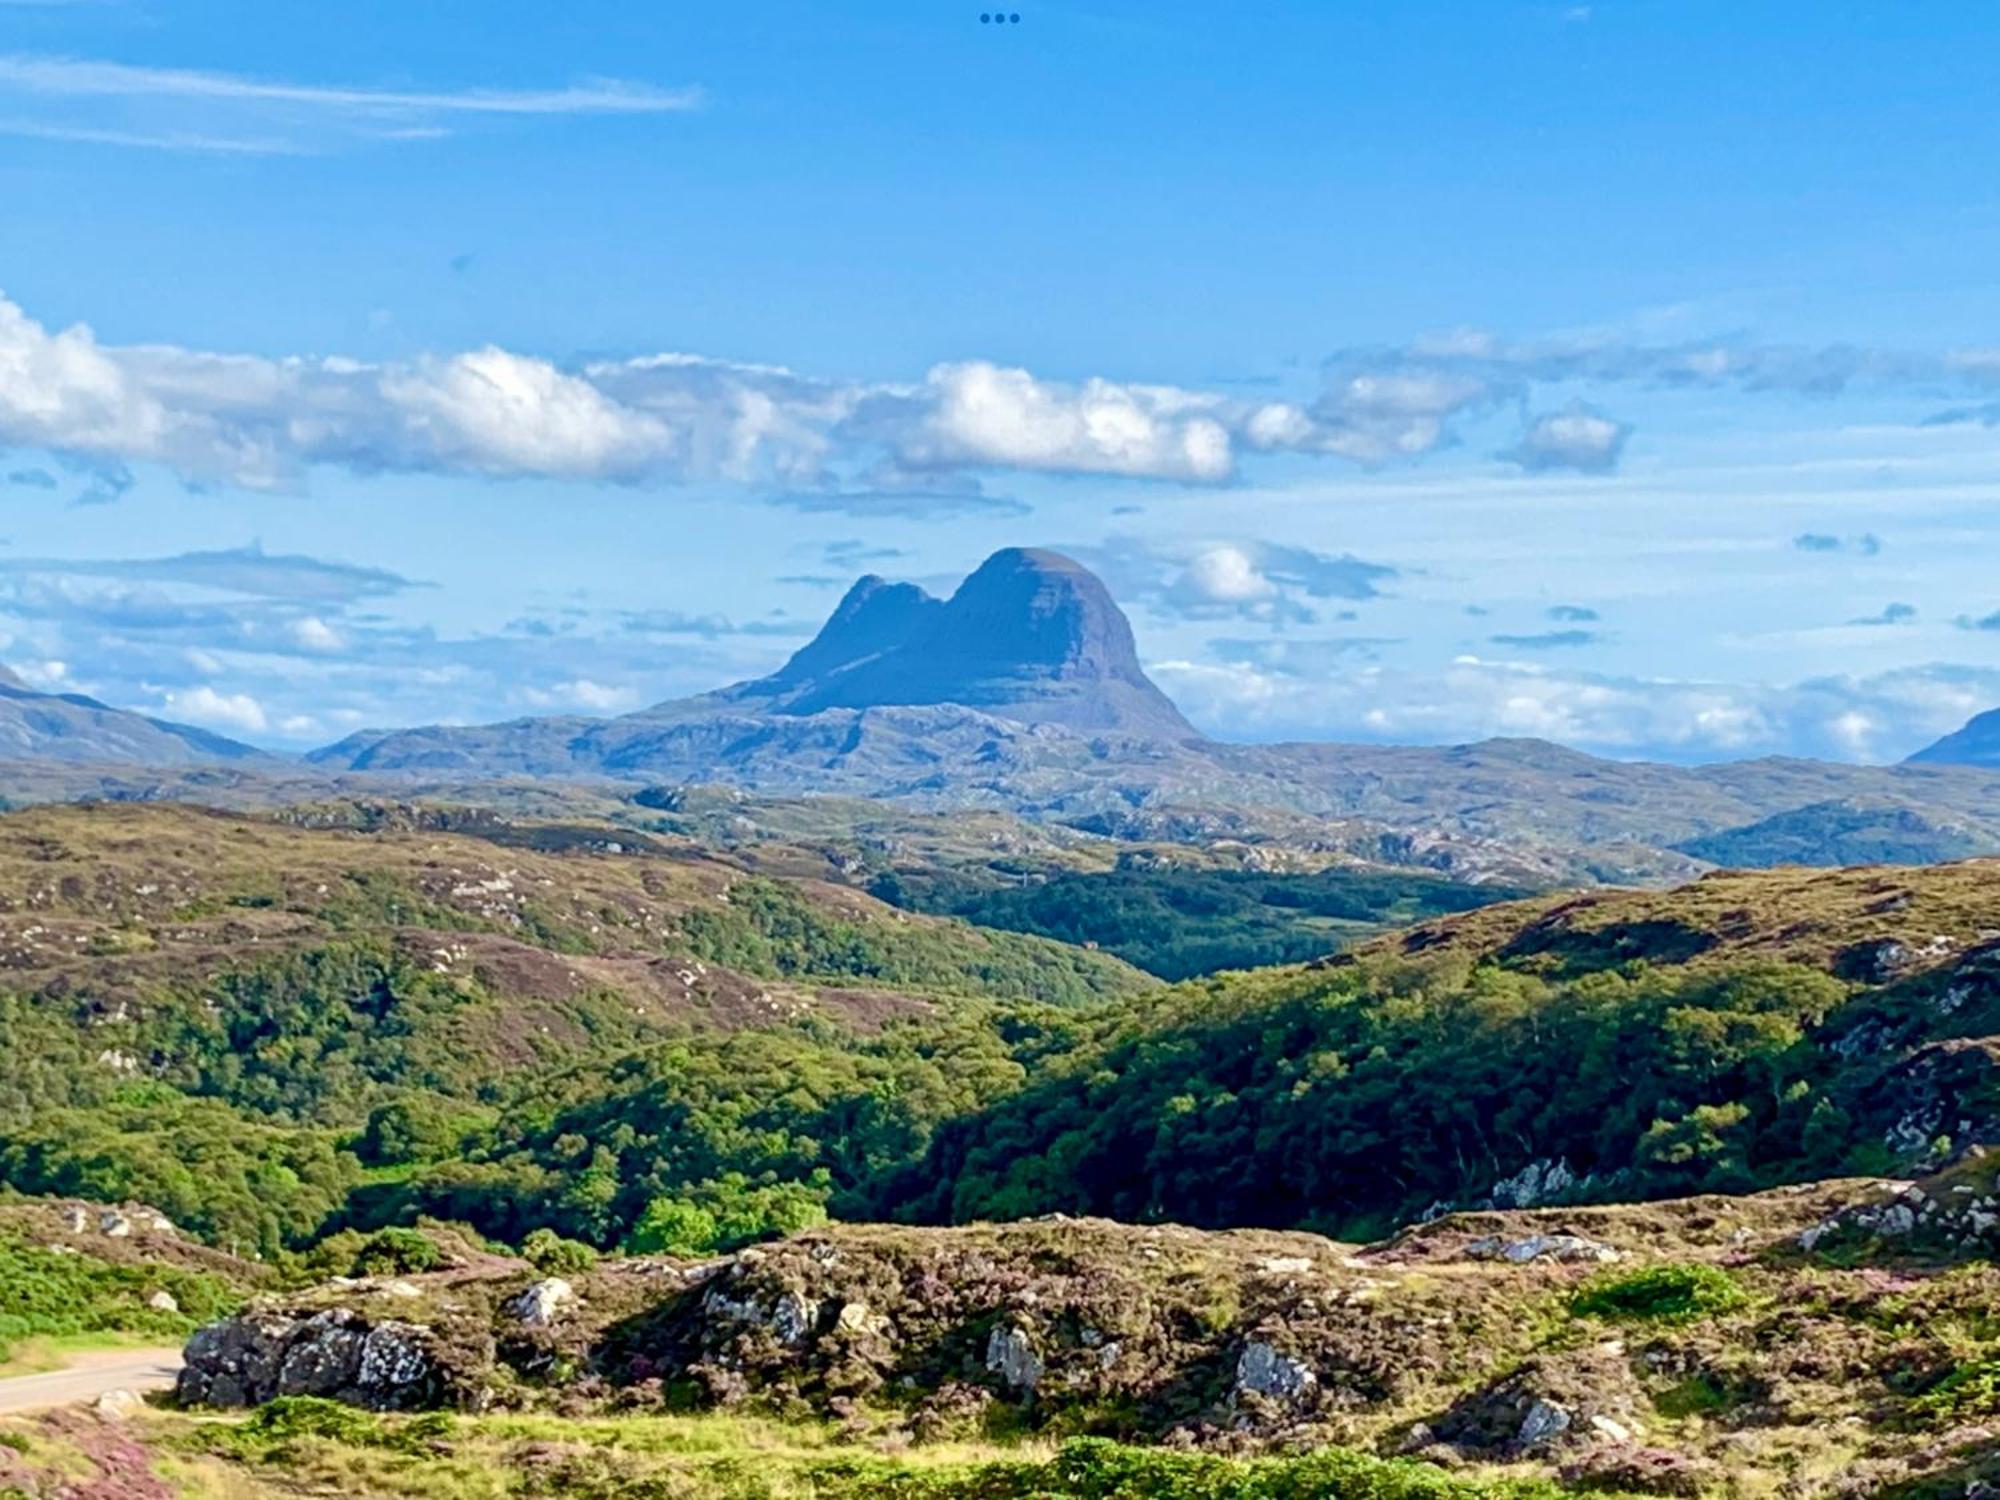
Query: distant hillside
{"type": "Point", "coordinates": [1976, 744]}
{"type": "Point", "coordinates": [75, 730]}
{"type": "Point", "coordinates": [1023, 692]}
{"type": "Point", "coordinates": [1846, 831]}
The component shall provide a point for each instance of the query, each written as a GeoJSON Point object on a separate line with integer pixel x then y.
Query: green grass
{"type": "Point", "coordinates": [1660, 1294]}
{"type": "Point", "coordinates": [319, 1444]}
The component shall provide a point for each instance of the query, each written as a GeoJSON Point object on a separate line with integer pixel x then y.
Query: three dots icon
{"type": "Point", "coordinates": [999, 18]}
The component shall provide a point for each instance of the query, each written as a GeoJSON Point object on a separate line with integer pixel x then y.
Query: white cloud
{"type": "Point", "coordinates": [238, 712]}
{"type": "Point", "coordinates": [982, 414]}
{"type": "Point", "coordinates": [1577, 437]}
{"type": "Point", "coordinates": [580, 692]}
{"type": "Point", "coordinates": [828, 443]}
{"type": "Point", "coordinates": [1223, 575]}
{"type": "Point", "coordinates": [93, 102]}
{"type": "Point", "coordinates": [315, 634]}
{"type": "Point", "coordinates": [49, 676]}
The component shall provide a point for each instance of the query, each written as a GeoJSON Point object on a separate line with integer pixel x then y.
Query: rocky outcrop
{"type": "Point", "coordinates": [1573, 1248]}
{"type": "Point", "coordinates": [336, 1352]}
{"type": "Point", "coordinates": [1553, 1403]}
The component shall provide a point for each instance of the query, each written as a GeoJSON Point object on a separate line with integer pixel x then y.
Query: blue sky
{"type": "Point", "coordinates": [1623, 373]}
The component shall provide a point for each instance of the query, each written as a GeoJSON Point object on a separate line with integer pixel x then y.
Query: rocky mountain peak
{"type": "Point", "coordinates": [1031, 635]}
{"type": "Point", "coordinates": [874, 616]}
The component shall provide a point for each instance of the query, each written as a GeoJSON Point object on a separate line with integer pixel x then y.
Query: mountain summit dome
{"type": "Point", "coordinates": [1032, 635]}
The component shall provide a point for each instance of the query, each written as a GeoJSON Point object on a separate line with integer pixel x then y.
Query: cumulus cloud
{"type": "Point", "coordinates": [1577, 437]}
{"type": "Point", "coordinates": [916, 448]}
{"type": "Point", "coordinates": [596, 696]}
{"type": "Point", "coordinates": [1574, 613]}
{"type": "Point", "coordinates": [262, 422]}
{"type": "Point", "coordinates": [1244, 578]}
{"type": "Point", "coordinates": [236, 712]}
{"type": "Point", "coordinates": [1221, 575]}
{"type": "Point", "coordinates": [984, 415]}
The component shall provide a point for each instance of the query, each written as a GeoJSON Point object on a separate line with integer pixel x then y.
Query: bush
{"type": "Point", "coordinates": [396, 1252]}
{"type": "Point", "coordinates": [552, 1255]}
{"type": "Point", "coordinates": [1659, 1294]}
{"type": "Point", "coordinates": [725, 1213]}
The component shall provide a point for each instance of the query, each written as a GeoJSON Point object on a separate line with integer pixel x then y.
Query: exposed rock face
{"type": "Point", "coordinates": [874, 617]}
{"type": "Point", "coordinates": [1010, 1354]}
{"type": "Point", "coordinates": [1263, 1371]}
{"type": "Point", "coordinates": [1031, 636]}
{"type": "Point", "coordinates": [337, 1353]}
{"type": "Point", "coordinates": [1569, 1400]}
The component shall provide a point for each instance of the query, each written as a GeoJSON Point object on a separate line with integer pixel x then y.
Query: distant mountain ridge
{"type": "Point", "coordinates": [1023, 692]}
{"type": "Point", "coordinates": [1976, 743]}
{"type": "Point", "coordinates": [75, 730]}
{"type": "Point", "coordinates": [897, 679]}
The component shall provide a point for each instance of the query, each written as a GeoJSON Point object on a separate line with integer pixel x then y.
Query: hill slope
{"type": "Point", "coordinates": [1744, 1030]}
{"type": "Point", "coordinates": [1977, 743]}
{"type": "Point", "coordinates": [71, 729]}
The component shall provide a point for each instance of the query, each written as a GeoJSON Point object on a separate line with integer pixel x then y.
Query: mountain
{"type": "Point", "coordinates": [1031, 636]}
{"type": "Point", "coordinates": [1977, 743]}
{"type": "Point", "coordinates": [1023, 692]}
{"type": "Point", "coordinates": [905, 682]}
{"type": "Point", "coordinates": [75, 730]}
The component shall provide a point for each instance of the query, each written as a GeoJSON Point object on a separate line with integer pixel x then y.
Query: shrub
{"type": "Point", "coordinates": [1659, 1294]}
{"type": "Point", "coordinates": [552, 1255]}
{"type": "Point", "coordinates": [396, 1252]}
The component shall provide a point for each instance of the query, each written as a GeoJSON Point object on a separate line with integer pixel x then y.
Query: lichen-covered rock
{"type": "Point", "coordinates": [1553, 1401]}
{"type": "Point", "coordinates": [1261, 1370]}
{"type": "Point", "coordinates": [1010, 1354]}
{"type": "Point", "coordinates": [540, 1304]}
{"type": "Point", "coordinates": [334, 1352]}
